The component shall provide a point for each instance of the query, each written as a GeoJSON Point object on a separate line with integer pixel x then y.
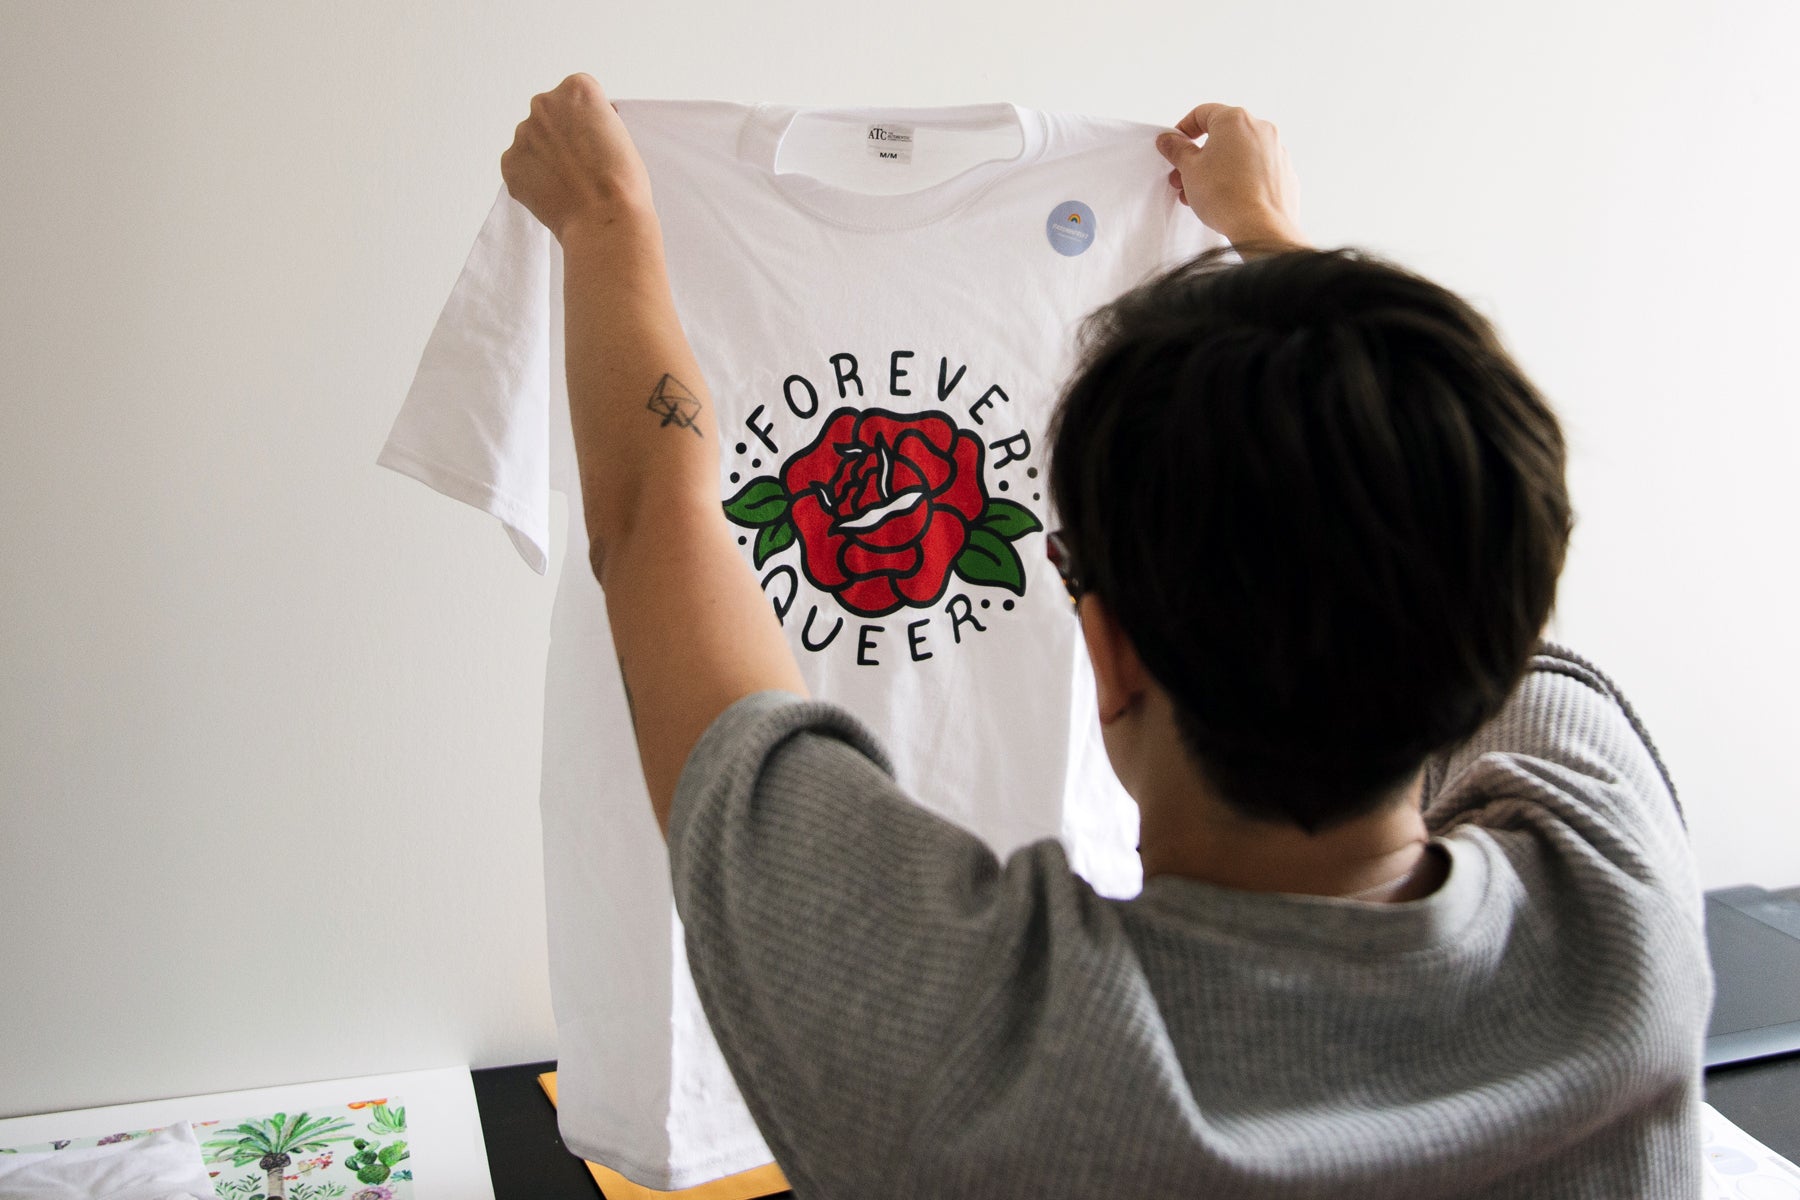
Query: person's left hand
{"type": "Point", "coordinates": [572, 162]}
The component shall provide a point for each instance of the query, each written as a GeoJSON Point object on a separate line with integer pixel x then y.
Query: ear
{"type": "Point", "coordinates": [1119, 676]}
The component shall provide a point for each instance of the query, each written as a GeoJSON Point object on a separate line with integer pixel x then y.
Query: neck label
{"type": "Point", "coordinates": [890, 143]}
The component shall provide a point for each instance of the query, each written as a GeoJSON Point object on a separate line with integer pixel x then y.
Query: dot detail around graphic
{"type": "Point", "coordinates": [742, 540]}
{"type": "Point", "coordinates": [1003, 485]}
{"type": "Point", "coordinates": [1031, 472]}
{"type": "Point", "coordinates": [756, 462]}
{"type": "Point", "coordinates": [1037, 496]}
{"type": "Point", "coordinates": [741, 447]}
{"type": "Point", "coordinates": [1007, 605]}
{"type": "Point", "coordinates": [735, 477]}
{"type": "Point", "coordinates": [985, 603]}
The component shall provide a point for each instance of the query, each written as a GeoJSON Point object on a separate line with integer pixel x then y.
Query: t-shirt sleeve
{"type": "Point", "coordinates": [1567, 746]}
{"type": "Point", "coordinates": [475, 423]}
{"type": "Point", "coordinates": [856, 955]}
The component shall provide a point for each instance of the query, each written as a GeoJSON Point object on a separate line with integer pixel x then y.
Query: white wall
{"type": "Point", "coordinates": [269, 715]}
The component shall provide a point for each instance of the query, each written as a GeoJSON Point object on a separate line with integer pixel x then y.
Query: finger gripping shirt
{"type": "Point", "coordinates": [906, 1014]}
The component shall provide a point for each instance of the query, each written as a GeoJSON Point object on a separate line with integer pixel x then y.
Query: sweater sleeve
{"type": "Point", "coordinates": [1568, 748]}
{"type": "Point", "coordinates": [844, 941]}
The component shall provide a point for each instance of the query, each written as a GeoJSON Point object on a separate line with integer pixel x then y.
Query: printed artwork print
{"type": "Point", "coordinates": [354, 1151]}
{"type": "Point", "coordinates": [884, 509]}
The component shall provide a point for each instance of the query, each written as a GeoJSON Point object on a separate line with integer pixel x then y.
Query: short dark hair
{"type": "Point", "coordinates": [1327, 508]}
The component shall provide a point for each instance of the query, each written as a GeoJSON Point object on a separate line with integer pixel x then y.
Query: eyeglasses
{"type": "Point", "coordinates": [1056, 546]}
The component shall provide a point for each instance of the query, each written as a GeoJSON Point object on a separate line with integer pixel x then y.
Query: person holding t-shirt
{"type": "Point", "coordinates": [1419, 915]}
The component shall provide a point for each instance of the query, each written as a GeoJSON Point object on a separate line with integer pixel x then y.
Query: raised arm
{"type": "Point", "coordinates": [693, 631]}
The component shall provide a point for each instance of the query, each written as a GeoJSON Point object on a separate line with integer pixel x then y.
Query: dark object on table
{"type": "Point", "coordinates": [526, 1155]}
{"type": "Point", "coordinates": [1753, 937]}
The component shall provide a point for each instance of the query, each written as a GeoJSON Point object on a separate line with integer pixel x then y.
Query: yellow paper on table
{"type": "Point", "coordinates": [745, 1185]}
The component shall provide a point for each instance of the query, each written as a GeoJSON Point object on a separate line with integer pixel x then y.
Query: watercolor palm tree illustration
{"type": "Point", "coordinates": [272, 1142]}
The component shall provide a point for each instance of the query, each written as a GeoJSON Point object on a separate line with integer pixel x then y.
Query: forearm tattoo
{"type": "Point", "coordinates": [676, 405]}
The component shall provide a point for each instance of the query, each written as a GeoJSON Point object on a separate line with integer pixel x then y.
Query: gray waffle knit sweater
{"type": "Point", "coordinates": [907, 1016]}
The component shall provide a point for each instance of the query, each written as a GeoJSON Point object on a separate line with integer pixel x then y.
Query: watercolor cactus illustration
{"type": "Point", "coordinates": [388, 1121]}
{"type": "Point", "coordinates": [373, 1162]}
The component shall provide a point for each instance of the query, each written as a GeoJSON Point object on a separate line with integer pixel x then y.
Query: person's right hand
{"type": "Point", "coordinates": [1240, 182]}
{"type": "Point", "coordinates": [572, 162]}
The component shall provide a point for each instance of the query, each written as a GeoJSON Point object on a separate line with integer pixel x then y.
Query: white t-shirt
{"type": "Point", "coordinates": [884, 305]}
{"type": "Point", "coordinates": [164, 1165]}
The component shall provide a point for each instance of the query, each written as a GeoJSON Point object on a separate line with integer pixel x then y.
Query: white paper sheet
{"type": "Point", "coordinates": [1738, 1167]}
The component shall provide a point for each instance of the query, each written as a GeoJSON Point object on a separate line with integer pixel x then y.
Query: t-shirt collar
{"type": "Point", "coordinates": [767, 124]}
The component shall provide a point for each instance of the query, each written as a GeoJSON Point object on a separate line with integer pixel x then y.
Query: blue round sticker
{"type": "Point", "coordinates": [1070, 228]}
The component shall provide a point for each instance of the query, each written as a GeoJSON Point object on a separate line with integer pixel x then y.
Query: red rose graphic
{"type": "Point", "coordinates": [882, 504]}
{"type": "Point", "coordinates": [886, 508]}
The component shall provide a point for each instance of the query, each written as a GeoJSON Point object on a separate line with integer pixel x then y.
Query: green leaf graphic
{"type": "Point", "coordinates": [991, 560]}
{"type": "Point", "coordinates": [763, 501]}
{"type": "Point", "coordinates": [772, 540]}
{"type": "Point", "coordinates": [1010, 521]}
